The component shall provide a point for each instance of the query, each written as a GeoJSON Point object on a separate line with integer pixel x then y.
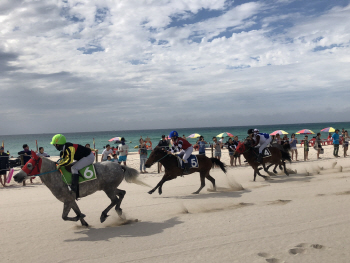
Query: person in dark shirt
{"type": "Point", "coordinates": [164, 144]}
{"type": "Point", "coordinates": [26, 155]}
{"type": "Point", "coordinates": [4, 165]}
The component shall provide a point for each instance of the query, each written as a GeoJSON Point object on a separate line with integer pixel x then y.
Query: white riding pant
{"type": "Point", "coordinates": [264, 144]}
{"type": "Point", "coordinates": [185, 154]}
{"type": "Point", "coordinates": [85, 161]}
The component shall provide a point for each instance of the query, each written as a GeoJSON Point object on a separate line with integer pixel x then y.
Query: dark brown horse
{"type": "Point", "coordinates": [172, 170]}
{"type": "Point", "coordinates": [277, 157]}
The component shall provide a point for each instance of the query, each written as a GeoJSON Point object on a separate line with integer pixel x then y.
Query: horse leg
{"type": "Point", "coordinates": [274, 169]}
{"type": "Point", "coordinates": [111, 193]}
{"type": "Point", "coordinates": [160, 190]}
{"type": "Point", "coordinates": [265, 169]}
{"type": "Point", "coordinates": [81, 216]}
{"type": "Point", "coordinates": [257, 171]}
{"type": "Point", "coordinates": [120, 194]}
{"type": "Point", "coordinates": [66, 208]}
{"type": "Point", "coordinates": [284, 167]}
{"type": "Point", "coordinates": [202, 184]}
{"type": "Point", "coordinates": [161, 182]}
{"type": "Point", "coordinates": [212, 180]}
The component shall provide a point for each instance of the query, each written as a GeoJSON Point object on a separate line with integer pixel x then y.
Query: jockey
{"type": "Point", "coordinates": [70, 152]}
{"type": "Point", "coordinates": [184, 147]}
{"type": "Point", "coordinates": [261, 139]}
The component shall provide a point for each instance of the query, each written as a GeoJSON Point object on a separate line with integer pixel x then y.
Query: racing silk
{"type": "Point", "coordinates": [261, 138]}
{"type": "Point", "coordinates": [73, 152]}
{"type": "Point", "coordinates": [181, 144]}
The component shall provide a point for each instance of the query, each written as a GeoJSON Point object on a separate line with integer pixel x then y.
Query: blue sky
{"type": "Point", "coordinates": [70, 66]}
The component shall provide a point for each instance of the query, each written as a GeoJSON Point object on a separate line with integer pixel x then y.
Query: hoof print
{"type": "Point", "coordinates": [317, 246]}
{"type": "Point", "coordinates": [274, 260]}
{"type": "Point", "coordinates": [296, 251]}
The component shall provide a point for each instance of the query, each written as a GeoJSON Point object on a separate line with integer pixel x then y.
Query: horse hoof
{"type": "Point", "coordinates": [119, 211]}
{"type": "Point", "coordinates": [85, 224]}
{"type": "Point", "coordinates": [103, 218]}
{"type": "Point", "coordinates": [150, 192]}
{"type": "Point", "coordinates": [287, 174]}
{"type": "Point", "coordinates": [195, 193]}
{"type": "Point", "coordinates": [275, 171]}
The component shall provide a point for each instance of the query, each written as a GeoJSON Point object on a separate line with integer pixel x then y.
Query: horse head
{"type": "Point", "coordinates": [240, 148]}
{"type": "Point", "coordinates": [157, 154]}
{"type": "Point", "coordinates": [32, 167]}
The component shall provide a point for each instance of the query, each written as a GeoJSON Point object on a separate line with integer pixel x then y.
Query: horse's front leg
{"type": "Point", "coordinates": [257, 171]}
{"type": "Point", "coordinates": [68, 205]}
{"type": "Point", "coordinates": [155, 188]}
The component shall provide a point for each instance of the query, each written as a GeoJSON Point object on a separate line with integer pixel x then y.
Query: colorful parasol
{"type": "Point", "coordinates": [281, 132]}
{"type": "Point", "coordinates": [115, 139]}
{"type": "Point", "coordinates": [328, 129]}
{"type": "Point", "coordinates": [305, 131]}
{"type": "Point", "coordinates": [194, 135]}
{"type": "Point", "coordinates": [225, 134]}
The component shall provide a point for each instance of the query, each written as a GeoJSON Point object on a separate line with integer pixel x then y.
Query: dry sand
{"type": "Point", "coordinates": [300, 218]}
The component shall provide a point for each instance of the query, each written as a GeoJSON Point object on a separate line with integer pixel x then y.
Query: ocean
{"type": "Point", "coordinates": [13, 143]}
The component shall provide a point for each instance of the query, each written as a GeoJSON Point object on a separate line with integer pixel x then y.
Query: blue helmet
{"type": "Point", "coordinates": [173, 134]}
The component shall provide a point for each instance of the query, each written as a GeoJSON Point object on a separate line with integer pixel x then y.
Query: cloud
{"type": "Point", "coordinates": [102, 65]}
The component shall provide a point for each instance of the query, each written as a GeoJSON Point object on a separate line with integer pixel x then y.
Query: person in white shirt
{"type": "Point", "coordinates": [106, 152]}
{"type": "Point", "coordinates": [123, 151]}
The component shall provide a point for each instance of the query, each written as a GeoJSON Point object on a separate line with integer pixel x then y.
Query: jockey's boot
{"type": "Point", "coordinates": [260, 158]}
{"type": "Point", "coordinates": [187, 168]}
{"type": "Point", "coordinates": [75, 185]}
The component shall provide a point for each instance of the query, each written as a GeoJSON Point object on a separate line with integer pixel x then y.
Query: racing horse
{"type": "Point", "coordinates": [172, 170]}
{"type": "Point", "coordinates": [109, 176]}
{"type": "Point", "coordinates": [277, 157]}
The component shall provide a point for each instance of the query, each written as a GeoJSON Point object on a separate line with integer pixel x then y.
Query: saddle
{"type": "Point", "coordinates": [192, 160]}
{"type": "Point", "coordinates": [265, 152]}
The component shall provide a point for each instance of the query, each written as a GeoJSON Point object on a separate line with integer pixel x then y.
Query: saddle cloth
{"type": "Point", "coordinates": [192, 160]}
{"type": "Point", "coordinates": [266, 152]}
{"type": "Point", "coordinates": [87, 173]}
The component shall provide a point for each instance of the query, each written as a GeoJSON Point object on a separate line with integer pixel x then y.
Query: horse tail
{"type": "Point", "coordinates": [286, 156]}
{"type": "Point", "coordinates": [218, 162]}
{"type": "Point", "coordinates": [131, 175]}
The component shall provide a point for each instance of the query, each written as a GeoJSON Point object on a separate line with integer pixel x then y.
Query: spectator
{"type": "Point", "coordinates": [123, 151]}
{"type": "Point", "coordinates": [343, 132]}
{"type": "Point", "coordinates": [335, 138]}
{"type": "Point", "coordinates": [4, 165]}
{"type": "Point", "coordinates": [346, 142]}
{"type": "Point", "coordinates": [318, 145]}
{"type": "Point", "coordinates": [109, 158]}
{"type": "Point", "coordinates": [231, 150]}
{"type": "Point", "coordinates": [41, 153]}
{"type": "Point", "coordinates": [201, 144]}
{"type": "Point", "coordinates": [183, 136]}
{"type": "Point", "coordinates": [236, 142]}
{"type": "Point", "coordinates": [329, 138]}
{"type": "Point", "coordinates": [222, 142]}
{"type": "Point", "coordinates": [293, 145]}
{"type": "Point", "coordinates": [26, 155]}
{"type": "Point", "coordinates": [306, 147]}
{"type": "Point", "coordinates": [217, 146]}
{"type": "Point", "coordinates": [278, 139]}
{"type": "Point", "coordinates": [92, 149]}
{"type": "Point", "coordinates": [115, 158]}
{"type": "Point", "coordinates": [164, 144]}
{"type": "Point", "coordinates": [143, 155]}
{"type": "Point", "coordinates": [106, 152]}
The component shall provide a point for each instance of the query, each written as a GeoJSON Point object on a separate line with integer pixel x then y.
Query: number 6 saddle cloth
{"type": "Point", "coordinates": [87, 173]}
{"type": "Point", "coordinates": [192, 160]}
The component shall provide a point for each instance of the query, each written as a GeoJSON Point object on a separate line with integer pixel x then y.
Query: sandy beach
{"type": "Point", "coordinates": [300, 218]}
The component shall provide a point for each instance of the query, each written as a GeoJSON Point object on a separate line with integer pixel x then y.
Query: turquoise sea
{"type": "Point", "coordinates": [13, 143]}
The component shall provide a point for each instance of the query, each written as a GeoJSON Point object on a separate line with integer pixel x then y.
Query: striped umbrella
{"type": "Point", "coordinates": [225, 134]}
{"type": "Point", "coordinates": [115, 139]}
{"type": "Point", "coordinates": [305, 131]}
{"type": "Point", "coordinates": [280, 132]}
{"type": "Point", "coordinates": [328, 129]}
{"type": "Point", "coordinates": [194, 135]}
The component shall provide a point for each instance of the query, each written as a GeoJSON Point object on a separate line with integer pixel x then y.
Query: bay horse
{"type": "Point", "coordinates": [277, 157]}
{"type": "Point", "coordinates": [109, 176]}
{"type": "Point", "coordinates": [170, 163]}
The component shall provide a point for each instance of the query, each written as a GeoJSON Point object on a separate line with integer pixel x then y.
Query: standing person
{"type": "Point", "coordinates": [4, 165]}
{"type": "Point", "coordinates": [346, 142]}
{"type": "Point", "coordinates": [222, 142]}
{"type": "Point", "coordinates": [107, 151]}
{"type": "Point", "coordinates": [143, 155]}
{"type": "Point", "coordinates": [123, 151]}
{"type": "Point", "coordinates": [231, 150]}
{"type": "Point", "coordinates": [69, 153]}
{"type": "Point", "coordinates": [293, 146]}
{"type": "Point", "coordinates": [236, 143]}
{"type": "Point", "coordinates": [92, 149]}
{"type": "Point", "coordinates": [318, 145]}
{"type": "Point", "coordinates": [184, 147]}
{"type": "Point", "coordinates": [217, 146]}
{"type": "Point", "coordinates": [164, 144]}
{"type": "Point", "coordinates": [26, 155]}
{"type": "Point", "coordinates": [41, 153]}
{"type": "Point", "coordinates": [306, 147]}
{"type": "Point", "coordinates": [201, 145]}
{"type": "Point", "coordinates": [278, 139]}
{"type": "Point", "coordinates": [335, 138]}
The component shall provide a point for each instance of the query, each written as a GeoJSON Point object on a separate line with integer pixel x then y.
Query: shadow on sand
{"type": "Point", "coordinates": [138, 229]}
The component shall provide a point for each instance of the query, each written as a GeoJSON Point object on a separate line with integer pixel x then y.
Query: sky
{"type": "Point", "coordinates": [76, 66]}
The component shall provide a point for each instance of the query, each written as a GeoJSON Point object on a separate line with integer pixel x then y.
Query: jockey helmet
{"type": "Point", "coordinates": [250, 131]}
{"type": "Point", "coordinates": [58, 139]}
{"type": "Point", "coordinates": [173, 134]}
{"type": "Point", "coordinates": [256, 130]}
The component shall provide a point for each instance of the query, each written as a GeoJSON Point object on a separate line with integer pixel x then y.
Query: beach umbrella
{"type": "Point", "coordinates": [194, 135]}
{"type": "Point", "coordinates": [280, 132]}
{"type": "Point", "coordinates": [328, 129]}
{"type": "Point", "coordinates": [225, 134]}
{"type": "Point", "coordinates": [305, 131]}
{"type": "Point", "coordinates": [115, 139]}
